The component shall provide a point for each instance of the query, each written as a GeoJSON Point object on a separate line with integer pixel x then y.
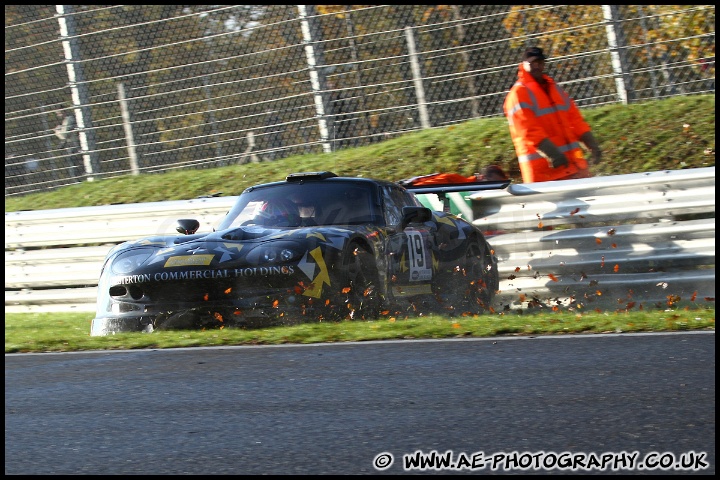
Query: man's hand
{"type": "Point", "coordinates": [555, 157]}
{"type": "Point", "coordinates": [595, 153]}
{"type": "Point", "coordinates": [560, 161]}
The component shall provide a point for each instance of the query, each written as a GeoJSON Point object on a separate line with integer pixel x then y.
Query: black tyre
{"type": "Point", "coordinates": [468, 284]}
{"type": "Point", "coordinates": [355, 287]}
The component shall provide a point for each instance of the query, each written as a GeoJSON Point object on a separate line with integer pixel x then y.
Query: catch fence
{"type": "Point", "coordinates": [102, 91]}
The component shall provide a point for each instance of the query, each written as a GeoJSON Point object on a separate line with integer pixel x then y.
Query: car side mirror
{"type": "Point", "coordinates": [187, 226]}
{"type": "Point", "coordinates": [415, 215]}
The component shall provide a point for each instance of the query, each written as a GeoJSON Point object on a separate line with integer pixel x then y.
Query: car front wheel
{"type": "Point", "coordinates": [355, 287]}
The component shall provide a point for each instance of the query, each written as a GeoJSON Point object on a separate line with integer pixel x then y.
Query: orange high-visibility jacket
{"type": "Point", "coordinates": [532, 116]}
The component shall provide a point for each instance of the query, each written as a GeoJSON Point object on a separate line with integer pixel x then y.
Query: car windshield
{"type": "Point", "coordinates": [305, 204]}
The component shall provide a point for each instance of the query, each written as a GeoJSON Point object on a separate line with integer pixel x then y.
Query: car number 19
{"type": "Point", "coordinates": [420, 269]}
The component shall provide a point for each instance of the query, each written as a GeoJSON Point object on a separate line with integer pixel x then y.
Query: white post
{"type": "Point", "coordinates": [125, 111]}
{"type": "Point", "coordinates": [417, 78]}
{"type": "Point", "coordinates": [78, 90]}
{"type": "Point", "coordinates": [315, 78]}
{"type": "Point", "coordinates": [623, 81]}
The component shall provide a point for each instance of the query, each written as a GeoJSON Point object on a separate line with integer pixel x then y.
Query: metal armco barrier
{"type": "Point", "coordinates": [641, 240]}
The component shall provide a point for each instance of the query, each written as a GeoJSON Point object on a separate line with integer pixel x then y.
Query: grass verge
{"type": "Point", "coordinates": [67, 332]}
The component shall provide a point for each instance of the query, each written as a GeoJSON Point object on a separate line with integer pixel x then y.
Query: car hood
{"type": "Point", "coordinates": [252, 234]}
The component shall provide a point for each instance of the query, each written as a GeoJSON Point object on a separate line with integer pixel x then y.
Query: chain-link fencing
{"type": "Point", "coordinates": [102, 91]}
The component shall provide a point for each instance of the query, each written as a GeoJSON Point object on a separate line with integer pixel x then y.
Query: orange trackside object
{"type": "Point", "coordinates": [534, 115]}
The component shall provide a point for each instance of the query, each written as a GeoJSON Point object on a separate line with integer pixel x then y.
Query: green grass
{"type": "Point", "coordinates": [66, 332]}
{"type": "Point", "coordinates": [669, 134]}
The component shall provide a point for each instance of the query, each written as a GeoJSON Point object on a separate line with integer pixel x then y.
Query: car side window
{"type": "Point", "coordinates": [409, 198]}
{"type": "Point", "coordinates": [395, 199]}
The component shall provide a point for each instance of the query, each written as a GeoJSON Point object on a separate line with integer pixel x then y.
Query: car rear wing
{"type": "Point", "coordinates": [442, 189]}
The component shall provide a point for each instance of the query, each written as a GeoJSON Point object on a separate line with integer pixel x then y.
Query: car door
{"type": "Point", "coordinates": [409, 249]}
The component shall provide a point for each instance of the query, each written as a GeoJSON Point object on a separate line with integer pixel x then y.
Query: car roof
{"type": "Point", "coordinates": [321, 177]}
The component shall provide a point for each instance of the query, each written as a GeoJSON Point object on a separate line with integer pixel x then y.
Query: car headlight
{"type": "Point", "coordinates": [272, 255]}
{"type": "Point", "coordinates": [127, 262]}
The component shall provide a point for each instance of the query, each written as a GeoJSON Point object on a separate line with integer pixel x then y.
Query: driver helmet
{"type": "Point", "coordinates": [282, 210]}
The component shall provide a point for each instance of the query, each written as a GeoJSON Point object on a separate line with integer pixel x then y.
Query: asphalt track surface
{"type": "Point", "coordinates": [342, 408]}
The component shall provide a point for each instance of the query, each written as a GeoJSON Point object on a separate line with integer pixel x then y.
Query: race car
{"type": "Point", "coordinates": [313, 247]}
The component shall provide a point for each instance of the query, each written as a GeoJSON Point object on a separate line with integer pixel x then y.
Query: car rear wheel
{"type": "Point", "coordinates": [469, 284]}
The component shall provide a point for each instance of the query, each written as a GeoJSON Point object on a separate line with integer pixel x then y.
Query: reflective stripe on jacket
{"type": "Point", "coordinates": [532, 116]}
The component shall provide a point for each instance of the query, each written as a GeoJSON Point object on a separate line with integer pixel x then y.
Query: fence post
{"type": "Point", "coordinates": [127, 125]}
{"type": "Point", "coordinates": [617, 44]}
{"type": "Point", "coordinates": [317, 78]}
{"type": "Point", "coordinates": [78, 89]}
{"type": "Point", "coordinates": [417, 78]}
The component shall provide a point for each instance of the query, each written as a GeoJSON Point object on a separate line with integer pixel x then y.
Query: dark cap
{"type": "Point", "coordinates": [533, 53]}
{"type": "Point", "coordinates": [495, 173]}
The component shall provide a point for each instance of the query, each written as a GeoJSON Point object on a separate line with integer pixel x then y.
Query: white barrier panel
{"type": "Point", "coordinates": [649, 236]}
{"type": "Point", "coordinates": [109, 223]}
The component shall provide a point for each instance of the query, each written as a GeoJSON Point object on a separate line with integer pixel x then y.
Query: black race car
{"type": "Point", "coordinates": [314, 247]}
